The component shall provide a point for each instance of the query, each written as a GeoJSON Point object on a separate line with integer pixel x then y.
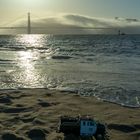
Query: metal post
{"type": "Point", "coordinates": [29, 24]}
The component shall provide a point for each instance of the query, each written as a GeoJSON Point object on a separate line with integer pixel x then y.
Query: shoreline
{"type": "Point", "coordinates": [74, 93]}
{"type": "Point", "coordinates": [24, 110]}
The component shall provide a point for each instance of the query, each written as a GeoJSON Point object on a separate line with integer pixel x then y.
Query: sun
{"type": "Point", "coordinates": [31, 4]}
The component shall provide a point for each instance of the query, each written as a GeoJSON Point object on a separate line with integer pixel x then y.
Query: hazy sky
{"type": "Point", "coordinates": [101, 8]}
{"type": "Point", "coordinates": [12, 9]}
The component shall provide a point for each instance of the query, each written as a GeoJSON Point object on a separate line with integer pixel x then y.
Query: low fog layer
{"type": "Point", "coordinates": [77, 24]}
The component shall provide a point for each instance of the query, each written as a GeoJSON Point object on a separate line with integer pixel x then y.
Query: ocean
{"type": "Point", "coordinates": [104, 66]}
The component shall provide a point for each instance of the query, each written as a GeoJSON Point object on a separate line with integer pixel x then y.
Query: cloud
{"type": "Point", "coordinates": [126, 19]}
{"type": "Point", "coordinates": [75, 24]}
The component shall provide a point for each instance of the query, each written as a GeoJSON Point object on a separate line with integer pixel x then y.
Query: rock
{"type": "Point", "coordinates": [36, 133]}
{"type": "Point", "coordinates": [11, 136]}
{"type": "Point", "coordinates": [15, 109]}
{"type": "Point", "coordinates": [48, 94]}
{"type": "Point", "coordinates": [19, 105]}
{"type": "Point", "coordinates": [5, 100]}
{"type": "Point", "coordinates": [44, 103]}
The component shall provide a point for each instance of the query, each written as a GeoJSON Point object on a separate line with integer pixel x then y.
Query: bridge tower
{"type": "Point", "coordinates": [29, 24]}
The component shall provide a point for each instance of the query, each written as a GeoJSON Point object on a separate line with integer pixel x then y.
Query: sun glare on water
{"type": "Point", "coordinates": [32, 50]}
{"type": "Point", "coordinates": [26, 63]}
{"type": "Point", "coordinates": [27, 58]}
{"type": "Point", "coordinates": [31, 40]}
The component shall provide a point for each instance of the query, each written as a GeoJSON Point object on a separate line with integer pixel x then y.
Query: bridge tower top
{"type": "Point", "coordinates": [29, 24]}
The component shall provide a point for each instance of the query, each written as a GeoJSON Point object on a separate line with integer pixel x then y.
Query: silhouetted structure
{"type": "Point", "coordinates": [119, 32]}
{"type": "Point", "coordinates": [29, 24]}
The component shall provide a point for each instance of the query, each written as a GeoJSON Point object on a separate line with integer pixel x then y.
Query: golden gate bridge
{"type": "Point", "coordinates": [29, 28]}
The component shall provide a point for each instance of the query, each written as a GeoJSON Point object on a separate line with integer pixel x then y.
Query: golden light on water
{"type": "Point", "coordinates": [25, 55]}
{"type": "Point", "coordinates": [26, 64]}
{"type": "Point", "coordinates": [31, 40]}
{"type": "Point", "coordinates": [29, 57]}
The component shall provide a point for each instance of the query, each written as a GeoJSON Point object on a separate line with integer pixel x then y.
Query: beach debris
{"type": "Point", "coordinates": [82, 126]}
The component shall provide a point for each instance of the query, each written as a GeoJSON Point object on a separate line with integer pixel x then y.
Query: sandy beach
{"type": "Point", "coordinates": [34, 114]}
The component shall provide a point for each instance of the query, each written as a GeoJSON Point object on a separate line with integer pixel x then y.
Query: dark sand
{"type": "Point", "coordinates": [34, 114]}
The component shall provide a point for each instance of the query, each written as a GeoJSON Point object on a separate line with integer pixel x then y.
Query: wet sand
{"type": "Point", "coordinates": [34, 114]}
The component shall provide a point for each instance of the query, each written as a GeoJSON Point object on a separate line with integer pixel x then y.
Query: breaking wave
{"type": "Point", "coordinates": [104, 66]}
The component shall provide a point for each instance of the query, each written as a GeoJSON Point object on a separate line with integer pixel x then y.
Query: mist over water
{"type": "Point", "coordinates": [105, 66]}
